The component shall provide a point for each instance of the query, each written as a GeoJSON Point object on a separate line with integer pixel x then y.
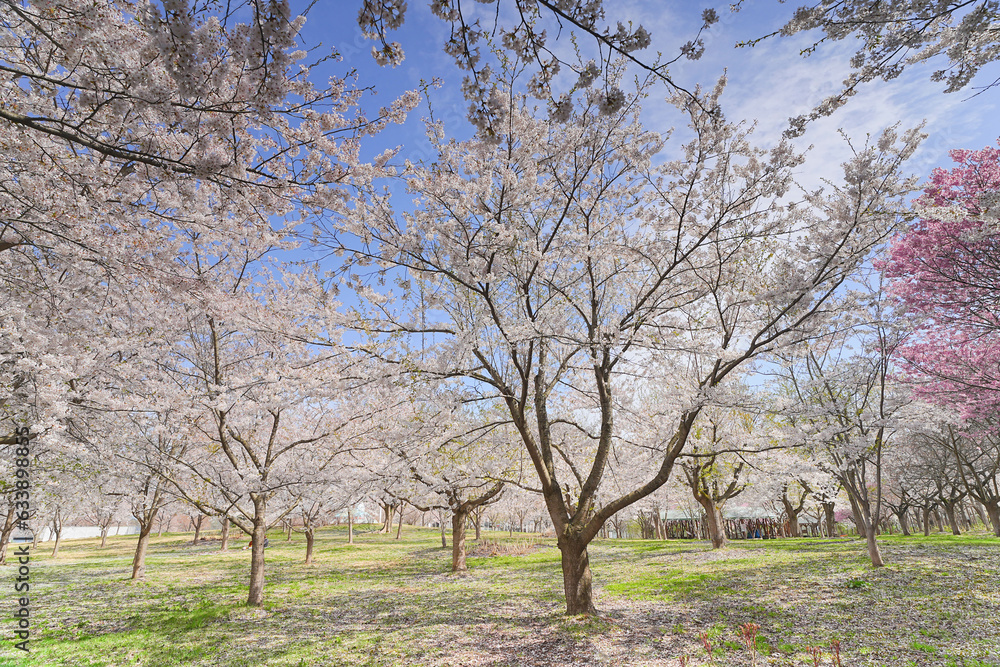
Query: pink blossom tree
{"type": "Point", "coordinates": [945, 270]}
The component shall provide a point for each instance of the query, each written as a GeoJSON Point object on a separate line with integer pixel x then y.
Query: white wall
{"type": "Point", "coordinates": [77, 532]}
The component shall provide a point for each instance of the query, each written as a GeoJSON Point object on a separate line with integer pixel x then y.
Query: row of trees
{"type": "Point", "coordinates": [564, 303]}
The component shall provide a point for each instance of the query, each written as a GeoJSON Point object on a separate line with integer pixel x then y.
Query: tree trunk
{"type": "Point", "coordinates": [477, 517]}
{"type": "Point", "coordinates": [793, 517]}
{"type": "Point", "coordinates": [949, 512]}
{"type": "Point", "coordinates": [57, 531]}
{"type": "Point", "coordinates": [904, 524]}
{"type": "Point", "coordinates": [866, 528]}
{"type": "Point", "coordinates": [104, 536]}
{"type": "Point", "coordinates": [350, 526]}
{"type": "Point", "coordinates": [938, 520]}
{"type": "Point", "coordinates": [458, 519]}
{"type": "Point", "coordinates": [927, 521]}
{"type": "Point", "coordinates": [873, 550]}
{"type": "Point", "coordinates": [399, 526]}
{"type": "Point", "coordinates": [993, 510]}
{"type": "Point", "coordinates": [964, 515]}
{"type": "Point", "coordinates": [444, 540]}
{"type": "Point", "coordinates": [577, 581]}
{"type": "Point", "coordinates": [387, 522]}
{"type": "Point", "coordinates": [225, 533]}
{"type": "Point", "coordinates": [979, 512]}
{"type": "Point", "coordinates": [256, 594]}
{"type": "Point", "coordinates": [716, 525]}
{"type": "Point", "coordinates": [139, 560]}
{"type": "Point", "coordinates": [831, 521]}
{"type": "Point", "coordinates": [310, 537]}
{"type": "Point", "coordinates": [8, 528]}
{"type": "Point", "coordinates": [197, 528]}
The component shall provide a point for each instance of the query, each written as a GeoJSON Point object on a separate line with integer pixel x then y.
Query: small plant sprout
{"type": "Point", "coordinates": [749, 633]}
{"type": "Point", "coordinates": [816, 653]}
{"type": "Point", "coordinates": [707, 644]}
{"type": "Point", "coordinates": [835, 648]}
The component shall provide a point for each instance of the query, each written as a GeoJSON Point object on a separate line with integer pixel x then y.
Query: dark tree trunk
{"type": "Point", "coordinates": [577, 580]}
{"type": "Point", "coordinates": [993, 511]}
{"type": "Point", "coordinates": [904, 523]}
{"type": "Point", "coordinates": [949, 512]}
{"type": "Point", "coordinates": [793, 517]}
{"type": "Point", "coordinates": [310, 538]}
{"type": "Point", "coordinates": [255, 596]}
{"type": "Point", "coordinates": [458, 520]}
{"type": "Point", "coordinates": [927, 521]}
{"type": "Point", "coordinates": [831, 521]}
{"type": "Point", "coordinates": [477, 517]}
{"type": "Point", "coordinates": [139, 560]}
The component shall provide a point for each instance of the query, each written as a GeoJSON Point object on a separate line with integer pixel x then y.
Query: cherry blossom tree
{"type": "Point", "coordinates": [945, 271]}
{"type": "Point", "coordinates": [716, 476]}
{"type": "Point", "coordinates": [131, 450]}
{"type": "Point", "coordinates": [938, 469]}
{"type": "Point", "coordinates": [522, 31]}
{"type": "Point", "coordinates": [902, 484]}
{"type": "Point", "coordinates": [975, 452]}
{"type": "Point", "coordinates": [263, 412]}
{"type": "Point", "coordinates": [548, 264]}
{"type": "Point", "coordinates": [896, 34]}
{"type": "Point", "coordinates": [850, 403]}
{"type": "Point", "coordinates": [447, 458]}
{"type": "Point", "coordinates": [126, 130]}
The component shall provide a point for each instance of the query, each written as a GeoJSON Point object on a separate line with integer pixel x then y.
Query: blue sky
{"type": "Point", "coordinates": [767, 83]}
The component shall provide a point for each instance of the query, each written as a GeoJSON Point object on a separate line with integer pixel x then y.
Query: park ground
{"type": "Point", "coordinates": [388, 602]}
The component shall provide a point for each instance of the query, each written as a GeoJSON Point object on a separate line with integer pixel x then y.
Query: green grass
{"type": "Point", "coordinates": [388, 602]}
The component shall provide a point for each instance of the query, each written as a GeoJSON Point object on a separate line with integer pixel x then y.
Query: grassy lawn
{"type": "Point", "coordinates": [388, 602]}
